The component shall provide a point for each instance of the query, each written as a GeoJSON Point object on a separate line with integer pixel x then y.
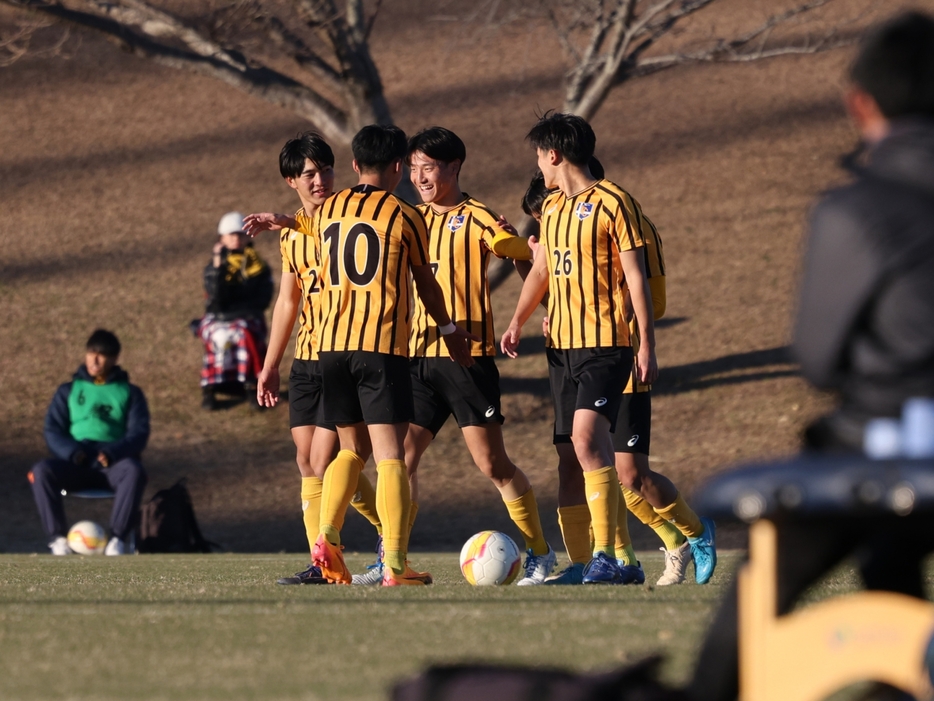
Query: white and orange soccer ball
{"type": "Point", "coordinates": [87, 538]}
{"type": "Point", "coordinates": [490, 558]}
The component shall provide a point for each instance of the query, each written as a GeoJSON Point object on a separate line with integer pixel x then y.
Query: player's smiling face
{"type": "Point", "coordinates": [315, 184]}
{"type": "Point", "coordinates": [435, 181]}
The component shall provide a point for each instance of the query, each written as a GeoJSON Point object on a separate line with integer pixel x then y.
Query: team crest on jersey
{"type": "Point", "coordinates": [584, 210]}
{"type": "Point", "coordinates": [455, 223]}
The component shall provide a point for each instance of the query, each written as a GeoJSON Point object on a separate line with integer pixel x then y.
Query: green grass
{"type": "Point", "coordinates": [217, 627]}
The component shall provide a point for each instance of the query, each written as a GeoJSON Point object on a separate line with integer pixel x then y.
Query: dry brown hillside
{"type": "Point", "coordinates": [114, 171]}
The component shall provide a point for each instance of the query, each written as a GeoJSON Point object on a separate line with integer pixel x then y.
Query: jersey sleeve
{"type": "Point", "coordinates": [415, 234]}
{"type": "Point", "coordinates": [285, 251]}
{"type": "Point", "coordinates": [626, 222]}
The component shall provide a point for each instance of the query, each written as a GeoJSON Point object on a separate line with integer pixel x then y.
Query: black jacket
{"type": "Point", "coordinates": [241, 288]}
{"type": "Point", "coordinates": [865, 326]}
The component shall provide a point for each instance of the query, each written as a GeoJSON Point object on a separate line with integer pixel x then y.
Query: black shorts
{"type": "Point", "coordinates": [633, 432]}
{"type": "Point", "coordinates": [306, 407]}
{"type": "Point", "coordinates": [375, 388]}
{"type": "Point", "coordinates": [441, 387]}
{"type": "Point", "coordinates": [587, 378]}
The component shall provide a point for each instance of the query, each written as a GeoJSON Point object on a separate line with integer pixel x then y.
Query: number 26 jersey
{"type": "Point", "coordinates": [365, 241]}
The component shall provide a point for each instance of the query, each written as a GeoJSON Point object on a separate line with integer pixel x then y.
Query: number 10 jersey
{"type": "Point", "coordinates": [365, 241]}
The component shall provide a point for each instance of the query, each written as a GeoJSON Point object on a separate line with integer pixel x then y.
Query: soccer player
{"type": "Point", "coordinates": [590, 236]}
{"type": "Point", "coordinates": [307, 165]}
{"type": "Point", "coordinates": [370, 246]}
{"type": "Point", "coordinates": [462, 235]}
{"type": "Point", "coordinates": [631, 444]}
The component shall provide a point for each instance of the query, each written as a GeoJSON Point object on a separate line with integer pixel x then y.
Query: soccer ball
{"type": "Point", "coordinates": [87, 538]}
{"type": "Point", "coordinates": [490, 558]}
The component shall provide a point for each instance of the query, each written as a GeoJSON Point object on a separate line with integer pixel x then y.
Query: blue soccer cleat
{"type": "Point", "coordinates": [573, 574]}
{"type": "Point", "coordinates": [631, 574]}
{"type": "Point", "coordinates": [602, 570]}
{"type": "Point", "coordinates": [311, 575]}
{"type": "Point", "coordinates": [704, 552]}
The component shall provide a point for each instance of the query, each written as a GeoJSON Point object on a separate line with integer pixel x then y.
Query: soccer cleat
{"type": "Point", "coordinates": [602, 569]}
{"type": "Point", "coordinates": [408, 578]}
{"type": "Point", "coordinates": [374, 573]}
{"type": "Point", "coordinates": [331, 561]}
{"type": "Point", "coordinates": [573, 574]}
{"type": "Point", "coordinates": [631, 574]}
{"type": "Point", "coordinates": [676, 562]}
{"type": "Point", "coordinates": [704, 552]}
{"type": "Point", "coordinates": [537, 567]}
{"type": "Point", "coordinates": [60, 546]}
{"type": "Point", "coordinates": [115, 546]}
{"type": "Point", "coordinates": [310, 575]}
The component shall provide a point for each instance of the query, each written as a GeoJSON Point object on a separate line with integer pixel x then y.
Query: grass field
{"type": "Point", "coordinates": [217, 627]}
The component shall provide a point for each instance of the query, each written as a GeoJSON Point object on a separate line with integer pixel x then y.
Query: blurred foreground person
{"type": "Point", "coordinates": [865, 326]}
{"type": "Point", "coordinates": [237, 288]}
{"type": "Point", "coordinates": [96, 428]}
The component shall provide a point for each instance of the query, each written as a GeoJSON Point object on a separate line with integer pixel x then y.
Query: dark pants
{"type": "Point", "coordinates": [889, 551]}
{"type": "Point", "coordinates": [126, 478]}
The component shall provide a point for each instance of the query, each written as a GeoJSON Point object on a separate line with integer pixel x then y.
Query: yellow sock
{"type": "Point", "coordinates": [643, 511]}
{"type": "Point", "coordinates": [392, 502]}
{"type": "Point", "coordinates": [340, 482]}
{"type": "Point", "coordinates": [311, 508]}
{"type": "Point", "coordinates": [364, 501]}
{"type": "Point", "coordinates": [602, 490]}
{"type": "Point", "coordinates": [524, 513]}
{"type": "Point", "coordinates": [624, 549]}
{"type": "Point", "coordinates": [683, 518]}
{"type": "Point", "coordinates": [575, 529]}
{"type": "Point", "coordinates": [413, 512]}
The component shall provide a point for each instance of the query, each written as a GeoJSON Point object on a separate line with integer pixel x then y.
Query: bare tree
{"type": "Point", "coordinates": [607, 42]}
{"type": "Point", "coordinates": [309, 56]}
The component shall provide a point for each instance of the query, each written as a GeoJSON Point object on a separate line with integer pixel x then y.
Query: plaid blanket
{"type": "Point", "coordinates": [233, 350]}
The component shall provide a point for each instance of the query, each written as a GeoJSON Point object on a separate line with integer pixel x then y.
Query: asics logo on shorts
{"type": "Point", "coordinates": [490, 411]}
{"type": "Point", "coordinates": [600, 402]}
{"type": "Point", "coordinates": [632, 441]}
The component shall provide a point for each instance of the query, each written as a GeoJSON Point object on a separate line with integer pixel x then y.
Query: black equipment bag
{"type": "Point", "coordinates": [168, 524]}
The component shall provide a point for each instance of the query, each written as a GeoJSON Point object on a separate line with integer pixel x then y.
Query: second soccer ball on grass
{"type": "Point", "coordinates": [490, 558]}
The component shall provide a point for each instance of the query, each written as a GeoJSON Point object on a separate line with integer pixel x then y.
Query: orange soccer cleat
{"type": "Point", "coordinates": [408, 578]}
{"type": "Point", "coordinates": [331, 561]}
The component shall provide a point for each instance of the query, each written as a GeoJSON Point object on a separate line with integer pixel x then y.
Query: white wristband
{"type": "Point", "coordinates": [448, 329]}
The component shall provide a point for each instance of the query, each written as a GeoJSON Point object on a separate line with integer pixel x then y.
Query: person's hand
{"type": "Point", "coordinates": [545, 326]}
{"type": "Point", "coordinates": [646, 365]}
{"type": "Point", "coordinates": [103, 459]}
{"type": "Point", "coordinates": [506, 226]}
{"type": "Point", "coordinates": [218, 250]}
{"type": "Point", "coordinates": [534, 246]}
{"type": "Point", "coordinates": [458, 345]}
{"type": "Point", "coordinates": [253, 224]}
{"type": "Point", "coordinates": [80, 458]}
{"type": "Point", "coordinates": [267, 387]}
{"type": "Point", "coordinates": [509, 343]}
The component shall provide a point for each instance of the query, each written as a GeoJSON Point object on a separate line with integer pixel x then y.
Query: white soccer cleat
{"type": "Point", "coordinates": [115, 546]}
{"type": "Point", "coordinates": [538, 568]}
{"type": "Point", "coordinates": [676, 563]}
{"type": "Point", "coordinates": [60, 546]}
{"type": "Point", "coordinates": [373, 577]}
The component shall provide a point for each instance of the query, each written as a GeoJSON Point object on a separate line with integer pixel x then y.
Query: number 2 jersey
{"type": "Point", "coordinates": [582, 237]}
{"type": "Point", "coordinates": [298, 257]}
{"type": "Point", "coordinates": [460, 242]}
{"type": "Point", "coordinates": [365, 241]}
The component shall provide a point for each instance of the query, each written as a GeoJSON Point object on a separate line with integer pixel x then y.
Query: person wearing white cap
{"type": "Point", "coordinates": [238, 288]}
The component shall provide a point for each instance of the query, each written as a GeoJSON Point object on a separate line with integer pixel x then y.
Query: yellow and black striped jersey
{"type": "Point", "coordinates": [460, 241]}
{"type": "Point", "coordinates": [298, 257]}
{"type": "Point", "coordinates": [654, 259]}
{"type": "Point", "coordinates": [366, 239]}
{"type": "Point", "coordinates": [582, 237]}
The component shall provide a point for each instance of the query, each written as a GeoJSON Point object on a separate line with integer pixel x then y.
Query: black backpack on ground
{"type": "Point", "coordinates": [168, 524]}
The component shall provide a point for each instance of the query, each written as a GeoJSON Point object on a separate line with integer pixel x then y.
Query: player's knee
{"type": "Point", "coordinates": [41, 473]}
{"type": "Point", "coordinates": [303, 460]}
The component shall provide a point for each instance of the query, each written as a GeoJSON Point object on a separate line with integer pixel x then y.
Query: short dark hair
{"type": "Point", "coordinates": [537, 193]}
{"type": "Point", "coordinates": [308, 145]}
{"type": "Point", "coordinates": [104, 342]}
{"type": "Point", "coordinates": [376, 146]}
{"type": "Point", "coordinates": [568, 134]}
{"type": "Point", "coordinates": [896, 66]}
{"type": "Point", "coordinates": [438, 143]}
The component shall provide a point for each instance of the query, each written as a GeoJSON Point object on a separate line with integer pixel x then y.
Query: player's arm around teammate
{"type": "Point", "coordinates": [462, 234]}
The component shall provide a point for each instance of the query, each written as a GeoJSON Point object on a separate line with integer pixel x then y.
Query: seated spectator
{"type": "Point", "coordinates": [96, 429]}
{"type": "Point", "coordinates": [238, 288]}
